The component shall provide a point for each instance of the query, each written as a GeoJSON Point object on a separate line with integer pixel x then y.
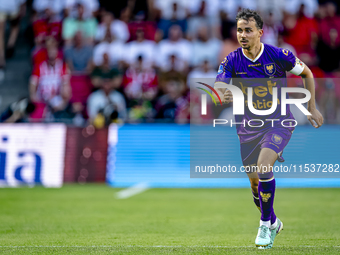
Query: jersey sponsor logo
{"type": "Point", "coordinates": [258, 64]}
{"type": "Point", "coordinates": [285, 52]}
{"type": "Point", "coordinates": [262, 102]}
{"type": "Point", "coordinates": [265, 196]}
{"type": "Point", "coordinates": [220, 69]}
{"type": "Point", "coordinates": [277, 139]}
{"type": "Point", "coordinates": [270, 69]}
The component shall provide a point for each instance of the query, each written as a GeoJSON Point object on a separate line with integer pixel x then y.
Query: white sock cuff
{"type": "Point", "coordinates": [265, 223]}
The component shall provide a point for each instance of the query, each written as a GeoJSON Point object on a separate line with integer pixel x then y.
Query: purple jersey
{"type": "Point", "coordinates": [266, 71]}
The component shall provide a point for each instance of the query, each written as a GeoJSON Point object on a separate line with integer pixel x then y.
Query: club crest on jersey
{"type": "Point", "coordinates": [277, 139]}
{"type": "Point", "coordinates": [265, 196]}
{"type": "Point", "coordinates": [270, 69]}
{"type": "Point", "coordinates": [220, 69]}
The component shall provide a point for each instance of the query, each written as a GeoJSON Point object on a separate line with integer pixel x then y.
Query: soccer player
{"type": "Point", "coordinates": [262, 146]}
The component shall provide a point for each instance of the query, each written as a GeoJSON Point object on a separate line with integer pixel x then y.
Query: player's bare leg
{"type": "Point", "coordinates": [254, 184]}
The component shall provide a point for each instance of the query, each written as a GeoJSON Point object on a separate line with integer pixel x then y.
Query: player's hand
{"type": "Point", "coordinates": [316, 118]}
{"type": "Point", "coordinates": [227, 97]}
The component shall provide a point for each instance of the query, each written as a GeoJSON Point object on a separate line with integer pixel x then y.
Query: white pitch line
{"type": "Point", "coordinates": [162, 246]}
{"type": "Point", "coordinates": [133, 190]}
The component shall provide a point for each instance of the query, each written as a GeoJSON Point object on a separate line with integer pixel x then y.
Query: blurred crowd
{"type": "Point", "coordinates": [131, 60]}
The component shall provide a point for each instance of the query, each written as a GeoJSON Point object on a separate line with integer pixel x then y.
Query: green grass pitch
{"type": "Point", "coordinates": [89, 219]}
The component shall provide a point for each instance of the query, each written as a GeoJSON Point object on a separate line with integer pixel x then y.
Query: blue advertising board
{"type": "Point", "coordinates": [159, 155]}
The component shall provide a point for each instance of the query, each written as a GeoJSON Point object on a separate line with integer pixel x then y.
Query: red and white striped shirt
{"type": "Point", "coordinates": [49, 79]}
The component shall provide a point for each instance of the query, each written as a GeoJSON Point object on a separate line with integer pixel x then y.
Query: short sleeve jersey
{"type": "Point", "coordinates": [266, 71]}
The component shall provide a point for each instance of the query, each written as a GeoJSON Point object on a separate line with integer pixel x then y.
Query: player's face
{"type": "Point", "coordinates": [248, 34]}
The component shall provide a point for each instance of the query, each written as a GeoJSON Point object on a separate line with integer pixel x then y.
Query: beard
{"type": "Point", "coordinates": [246, 47]}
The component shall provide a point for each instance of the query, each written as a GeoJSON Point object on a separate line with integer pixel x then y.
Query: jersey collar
{"type": "Point", "coordinates": [258, 56]}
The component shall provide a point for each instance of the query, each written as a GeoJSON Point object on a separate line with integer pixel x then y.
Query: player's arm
{"type": "Point", "coordinates": [33, 88]}
{"type": "Point", "coordinates": [224, 74]}
{"type": "Point", "coordinates": [295, 66]}
{"type": "Point", "coordinates": [66, 91]}
{"type": "Point", "coordinates": [225, 95]}
{"type": "Point", "coordinates": [308, 81]}
{"type": "Point", "coordinates": [33, 84]}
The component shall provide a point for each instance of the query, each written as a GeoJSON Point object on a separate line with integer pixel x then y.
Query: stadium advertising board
{"type": "Point", "coordinates": [32, 154]}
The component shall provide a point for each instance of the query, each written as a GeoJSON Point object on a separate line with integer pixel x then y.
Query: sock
{"type": "Point", "coordinates": [273, 225]}
{"type": "Point", "coordinates": [266, 223]}
{"type": "Point", "coordinates": [273, 216]}
{"type": "Point", "coordinates": [266, 194]}
{"type": "Point", "coordinates": [256, 200]}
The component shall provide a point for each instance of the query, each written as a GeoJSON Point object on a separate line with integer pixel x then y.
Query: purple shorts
{"type": "Point", "coordinates": [275, 139]}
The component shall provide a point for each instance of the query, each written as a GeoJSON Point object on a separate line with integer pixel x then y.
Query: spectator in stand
{"type": "Point", "coordinates": [140, 87]}
{"type": "Point", "coordinates": [119, 30]}
{"type": "Point", "coordinates": [174, 73]}
{"type": "Point", "coordinates": [115, 7]}
{"type": "Point", "coordinates": [13, 10]}
{"type": "Point", "coordinates": [49, 86]}
{"type": "Point", "coordinates": [276, 7]}
{"type": "Point", "coordinates": [105, 71]}
{"type": "Point", "coordinates": [55, 7]}
{"type": "Point", "coordinates": [18, 111]}
{"type": "Point", "coordinates": [204, 12]}
{"type": "Point", "coordinates": [87, 25]}
{"type": "Point", "coordinates": [293, 7]}
{"type": "Point", "coordinates": [174, 105]}
{"type": "Point", "coordinates": [284, 45]}
{"type": "Point", "coordinates": [91, 7]}
{"type": "Point", "coordinates": [301, 32]}
{"type": "Point", "coordinates": [171, 12]}
{"type": "Point", "coordinates": [47, 19]}
{"type": "Point", "coordinates": [205, 48]}
{"type": "Point", "coordinates": [174, 46]}
{"type": "Point", "coordinates": [39, 53]}
{"type": "Point", "coordinates": [226, 26]}
{"type": "Point", "coordinates": [106, 105]}
{"type": "Point", "coordinates": [149, 28]}
{"type": "Point", "coordinates": [229, 44]}
{"type": "Point", "coordinates": [271, 29]}
{"type": "Point", "coordinates": [203, 71]}
{"type": "Point", "coordinates": [140, 47]}
{"type": "Point", "coordinates": [113, 48]}
{"type": "Point", "coordinates": [79, 56]}
{"type": "Point", "coordinates": [231, 7]}
{"type": "Point", "coordinates": [329, 43]}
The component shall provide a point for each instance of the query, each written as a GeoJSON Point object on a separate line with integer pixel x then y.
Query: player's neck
{"type": "Point", "coordinates": [253, 52]}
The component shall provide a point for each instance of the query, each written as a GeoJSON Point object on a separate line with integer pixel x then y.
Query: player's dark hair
{"type": "Point", "coordinates": [247, 14]}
